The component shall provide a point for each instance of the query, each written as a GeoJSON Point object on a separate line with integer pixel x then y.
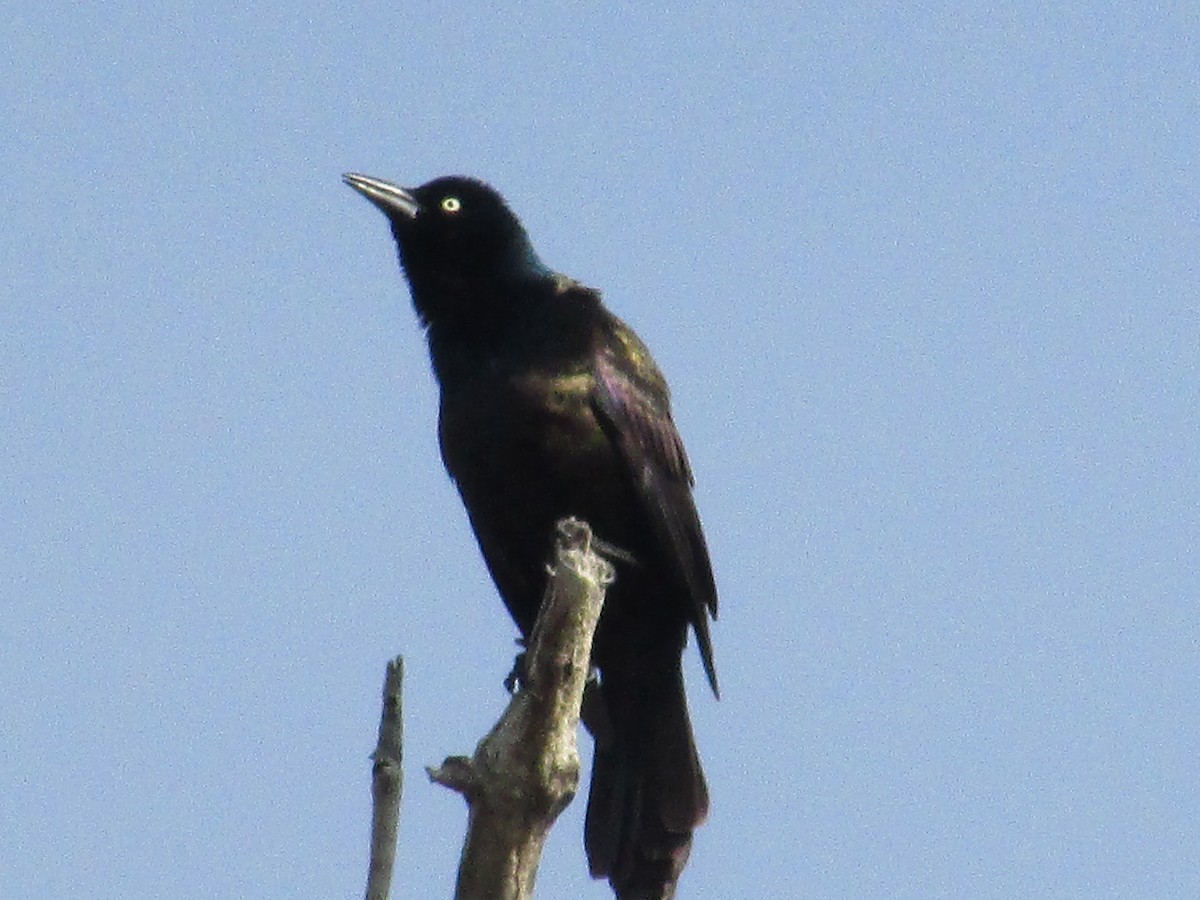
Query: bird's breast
{"type": "Point", "coordinates": [521, 426]}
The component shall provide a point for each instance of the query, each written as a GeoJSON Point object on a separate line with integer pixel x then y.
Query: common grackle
{"type": "Point", "coordinates": [551, 407]}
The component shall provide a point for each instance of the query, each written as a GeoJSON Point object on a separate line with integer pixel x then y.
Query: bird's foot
{"type": "Point", "coordinates": [519, 676]}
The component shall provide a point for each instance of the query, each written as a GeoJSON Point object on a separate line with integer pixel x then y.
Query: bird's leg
{"type": "Point", "coordinates": [519, 675]}
{"type": "Point", "coordinates": [594, 712]}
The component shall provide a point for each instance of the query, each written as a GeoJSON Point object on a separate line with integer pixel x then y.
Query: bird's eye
{"type": "Point", "coordinates": [451, 204]}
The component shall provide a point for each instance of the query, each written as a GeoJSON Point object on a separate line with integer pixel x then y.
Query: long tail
{"type": "Point", "coordinates": [648, 793]}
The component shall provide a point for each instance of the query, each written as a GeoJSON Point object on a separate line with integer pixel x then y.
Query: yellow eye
{"type": "Point", "coordinates": [451, 204]}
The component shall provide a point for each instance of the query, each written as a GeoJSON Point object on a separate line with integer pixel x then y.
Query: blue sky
{"type": "Point", "coordinates": [923, 278]}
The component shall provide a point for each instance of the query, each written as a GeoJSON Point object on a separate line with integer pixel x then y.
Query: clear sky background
{"type": "Point", "coordinates": [924, 279]}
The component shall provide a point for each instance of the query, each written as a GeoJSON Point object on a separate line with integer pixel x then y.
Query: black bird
{"type": "Point", "coordinates": [551, 407]}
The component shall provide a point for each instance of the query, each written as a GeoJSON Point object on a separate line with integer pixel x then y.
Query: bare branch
{"type": "Point", "coordinates": [387, 783]}
{"type": "Point", "coordinates": [525, 772]}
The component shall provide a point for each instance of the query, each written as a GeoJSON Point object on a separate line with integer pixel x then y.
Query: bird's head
{"type": "Point", "coordinates": [452, 231]}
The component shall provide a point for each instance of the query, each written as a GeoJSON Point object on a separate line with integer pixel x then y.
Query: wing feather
{"type": "Point", "coordinates": [634, 410]}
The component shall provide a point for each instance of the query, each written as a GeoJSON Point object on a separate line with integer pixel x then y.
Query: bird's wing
{"type": "Point", "coordinates": [635, 412]}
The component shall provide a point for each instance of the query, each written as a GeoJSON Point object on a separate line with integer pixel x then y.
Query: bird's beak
{"type": "Point", "coordinates": [393, 200]}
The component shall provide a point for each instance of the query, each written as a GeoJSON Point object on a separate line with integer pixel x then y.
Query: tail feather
{"type": "Point", "coordinates": [648, 792]}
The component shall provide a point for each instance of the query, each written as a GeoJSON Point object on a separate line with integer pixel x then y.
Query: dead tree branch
{"type": "Point", "coordinates": [526, 770]}
{"type": "Point", "coordinates": [387, 783]}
